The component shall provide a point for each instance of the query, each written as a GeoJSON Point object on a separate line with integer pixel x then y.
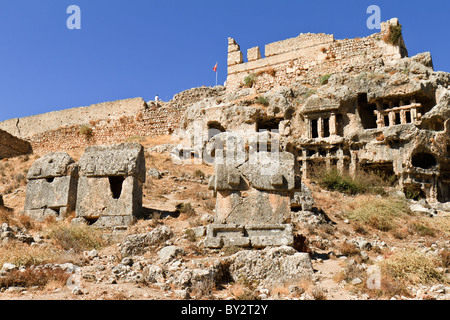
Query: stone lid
{"type": "Point", "coordinates": [126, 159]}
{"type": "Point", "coordinates": [54, 164]}
{"type": "Point", "coordinates": [266, 171]}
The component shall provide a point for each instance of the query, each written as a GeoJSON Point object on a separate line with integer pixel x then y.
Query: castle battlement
{"type": "Point", "coordinates": [309, 56]}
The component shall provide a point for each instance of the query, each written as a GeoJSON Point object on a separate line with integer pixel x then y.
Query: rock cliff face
{"type": "Point", "coordinates": [392, 117]}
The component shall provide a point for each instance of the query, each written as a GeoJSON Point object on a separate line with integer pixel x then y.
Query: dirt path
{"type": "Point", "coordinates": [327, 271]}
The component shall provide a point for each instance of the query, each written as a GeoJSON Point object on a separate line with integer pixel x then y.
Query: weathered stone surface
{"type": "Point", "coordinates": [54, 164]}
{"type": "Point", "coordinates": [251, 235]}
{"type": "Point", "coordinates": [303, 199]}
{"type": "Point", "coordinates": [169, 253]}
{"type": "Point", "coordinates": [110, 184]}
{"type": "Point", "coordinates": [257, 207]}
{"type": "Point", "coordinates": [52, 186]}
{"type": "Point", "coordinates": [136, 244]}
{"type": "Point", "coordinates": [125, 159]}
{"type": "Point", "coordinates": [271, 266]}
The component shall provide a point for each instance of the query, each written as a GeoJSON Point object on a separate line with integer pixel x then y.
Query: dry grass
{"type": "Point", "coordinates": [22, 254]}
{"type": "Point", "coordinates": [77, 237]}
{"type": "Point", "coordinates": [241, 292]}
{"type": "Point", "coordinates": [34, 278]}
{"type": "Point", "coordinates": [411, 267]}
{"type": "Point", "coordinates": [380, 213]}
{"type": "Point", "coordinates": [348, 249]}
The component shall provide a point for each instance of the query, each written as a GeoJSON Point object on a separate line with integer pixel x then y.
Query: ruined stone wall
{"type": "Point", "coordinates": [29, 126]}
{"type": "Point", "coordinates": [150, 121]}
{"type": "Point", "coordinates": [308, 57]}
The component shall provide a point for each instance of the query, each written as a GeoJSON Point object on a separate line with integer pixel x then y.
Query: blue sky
{"type": "Point", "coordinates": [140, 48]}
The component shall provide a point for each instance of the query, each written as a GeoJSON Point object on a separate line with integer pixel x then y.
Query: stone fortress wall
{"type": "Point", "coordinates": [304, 58]}
{"type": "Point", "coordinates": [308, 57]}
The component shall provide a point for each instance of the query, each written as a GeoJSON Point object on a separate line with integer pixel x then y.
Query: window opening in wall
{"type": "Point", "coordinates": [397, 118]}
{"type": "Point", "coordinates": [116, 184]}
{"type": "Point", "coordinates": [326, 127]}
{"type": "Point", "coordinates": [90, 221]}
{"type": "Point", "coordinates": [314, 129]}
{"type": "Point", "coordinates": [214, 128]}
{"type": "Point", "coordinates": [310, 153]}
{"type": "Point", "coordinates": [408, 116]}
{"type": "Point", "coordinates": [396, 104]}
{"type": "Point", "coordinates": [323, 152]}
{"type": "Point", "coordinates": [367, 115]}
{"type": "Point", "coordinates": [268, 124]}
{"type": "Point", "coordinates": [386, 120]}
{"type": "Point", "coordinates": [423, 160]}
{"type": "Point", "coordinates": [50, 180]}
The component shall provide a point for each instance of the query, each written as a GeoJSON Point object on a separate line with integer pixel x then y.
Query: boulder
{"type": "Point", "coordinates": [136, 244]}
{"type": "Point", "coordinates": [271, 266]}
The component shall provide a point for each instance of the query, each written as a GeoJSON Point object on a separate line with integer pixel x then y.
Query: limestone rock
{"type": "Point", "coordinates": [271, 266]}
{"type": "Point", "coordinates": [136, 244]}
{"type": "Point", "coordinates": [169, 253]}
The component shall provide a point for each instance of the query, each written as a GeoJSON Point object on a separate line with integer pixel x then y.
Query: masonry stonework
{"type": "Point", "coordinates": [307, 57]}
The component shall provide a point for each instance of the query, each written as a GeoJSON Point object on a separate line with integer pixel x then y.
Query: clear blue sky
{"type": "Point", "coordinates": [140, 48]}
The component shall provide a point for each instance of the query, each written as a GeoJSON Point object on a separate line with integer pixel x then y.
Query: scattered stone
{"type": "Point", "coordinates": [90, 254]}
{"type": "Point", "coordinates": [169, 253]}
{"type": "Point", "coordinates": [154, 173]}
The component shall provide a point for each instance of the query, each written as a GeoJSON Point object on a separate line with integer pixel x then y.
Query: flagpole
{"type": "Point", "coordinates": [216, 73]}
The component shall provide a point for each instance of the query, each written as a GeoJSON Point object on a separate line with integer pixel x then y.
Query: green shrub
{"type": "Point", "coordinates": [262, 101]}
{"type": "Point", "coordinates": [333, 180]}
{"type": "Point", "coordinates": [199, 174]}
{"type": "Point", "coordinates": [422, 229]}
{"type": "Point", "coordinates": [393, 35]}
{"type": "Point", "coordinates": [249, 80]}
{"type": "Point", "coordinates": [372, 182]}
{"type": "Point", "coordinates": [185, 208]}
{"type": "Point", "coordinates": [324, 79]}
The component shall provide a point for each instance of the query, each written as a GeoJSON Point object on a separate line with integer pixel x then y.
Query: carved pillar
{"type": "Point", "coordinates": [333, 124]}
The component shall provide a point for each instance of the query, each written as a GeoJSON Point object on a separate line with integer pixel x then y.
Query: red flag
{"type": "Point", "coordinates": [215, 68]}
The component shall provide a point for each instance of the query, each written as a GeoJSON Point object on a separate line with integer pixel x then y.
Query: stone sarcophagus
{"type": "Point", "coordinates": [110, 184]}
{"type": "Point", "coordinates": [253, 202]}
{"type": "Point", "coordinates": [52, 186]}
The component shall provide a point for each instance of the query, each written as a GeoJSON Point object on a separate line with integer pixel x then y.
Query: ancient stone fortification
{"type": "Point", "coordinates": [11, 146]}
{"type": "Point", "coordinates": [358, 104]}
{"type": "Point", "coordinates": [307, 57]}
{"type": "Point", "coordinates": [353, 104]}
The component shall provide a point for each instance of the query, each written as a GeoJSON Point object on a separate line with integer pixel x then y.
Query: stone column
{"type": "Point", "coordinates": [333, 124]}
{"type": "Point", "coordinates": [308, 134]}
{"type": "Point", "coordinates": [320, 127]}
{"type": "Point", "coordinates": [341, 161]}
{"type": "Point", "coordinates": [403, 116]}
{"type": "Point", "coordinates": [392, 118]}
